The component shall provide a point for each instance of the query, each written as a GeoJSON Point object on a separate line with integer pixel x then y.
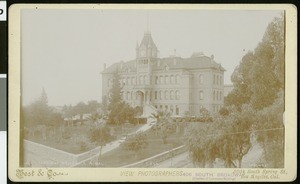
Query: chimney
{"type": "Point", "coordinates": [212, 57]}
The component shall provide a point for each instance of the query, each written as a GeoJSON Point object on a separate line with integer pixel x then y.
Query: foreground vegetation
{"type": "Point", "coordinates": [254, 108]}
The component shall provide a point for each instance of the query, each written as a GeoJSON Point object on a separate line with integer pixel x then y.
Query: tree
{"type": "Point", "coordinates": [80, 108]}
{"type": "Point", "coordinates": [241, 93]}
{"type": "Point", "coordinates": [40, 117]}
{"type": "Point", "coordinates": [205, 115]}
{"type": "Point", "coordinates": [164, 122]}
{"type": "Point", "coordinates": [224, 111]}
{"type": "Point", "coordinates": [92, 106]}
{"type": "Point", "coordinates": [259, 82]}
{"type": "Point", "coordinates": [119, 111]}
{"type": "Point", "coordinates": [38, 112]}
{"type": "Point", "coordinates": [260, 75]}
{"type": "Point", "coordinates": [101, 136]}
{"type": "Point", "coordinates": [136, 143]}
{"type": "Point", "coordinates": [94, 117]}
{"type": "Point", "coordinates": [270, 120]}
{"type": "Point", "coordinates": [104, 105]}
{"type": "Point", "coordinates": [227, 138]}
{"type": "Point", "coordinates": [115, 100]}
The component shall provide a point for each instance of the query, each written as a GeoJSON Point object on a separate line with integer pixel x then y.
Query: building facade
{"type": "Point", "coordinates": [175, 84]}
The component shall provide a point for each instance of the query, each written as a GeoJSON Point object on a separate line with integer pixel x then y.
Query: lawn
{"type": "Point", "coordinates": [75, 139]}
{"type": "Point", "coordinates": [120, 156]}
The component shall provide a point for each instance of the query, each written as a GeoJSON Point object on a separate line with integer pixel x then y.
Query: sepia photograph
{"type": "Point", "coordinates": [130, 88]}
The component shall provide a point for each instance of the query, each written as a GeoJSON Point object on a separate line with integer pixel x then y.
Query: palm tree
{"type": "Point", "coordinates": [101, 136]}
{"type": "Point", "coordinates": [163, 119]}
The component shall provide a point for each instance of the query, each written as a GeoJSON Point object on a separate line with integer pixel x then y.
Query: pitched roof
{"type": "Point", "coordinates": [191, 63]}
{"type": "Point", "coordinates": [148, 41]}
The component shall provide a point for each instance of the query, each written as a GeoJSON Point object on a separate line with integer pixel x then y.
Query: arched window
{"type": "Point", "coordinates": [171, 95]}
{"type": "Point", "coordinates": [161, 95]}
{"type": "Point", "coordinates": [166, 79]}
{"type": "Point", "coordinates": [221, 95]}
{"type": "Point", "coordinates": [156, 79]}
{"type": "Point", "coordinates": [166, 95]}
{"type": "Point", "coordinates": [160, 79]}
{"type": "Point", "coordinates": [136, 95]}
{"type": "Point", "coordinates": [131, 95]}
{"type": "Point", "coordinates": [201, 78]}
{"type": "Point", "coordinates": [177, 79]}
{"type": "Point", "coordinates": [221, 80]}
{"type": "Point", "coordinates": [172, 79]}
{"type": "Point", "coordinates": [155, 95]}
{"type": "Point", "coordinates": [108, 82]}
{"type": "Point", "coordinates": [177, 95]}
{"type": "Point", "coordinates": [217, 95]}
{"type": "Point", "coordinates": [201, 95]}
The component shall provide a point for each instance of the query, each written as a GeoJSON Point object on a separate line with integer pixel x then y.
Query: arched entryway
{"type": "Point", "coordinates": [140, 98]}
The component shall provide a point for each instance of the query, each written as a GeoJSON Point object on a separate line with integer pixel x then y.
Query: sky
{"type": "Point", "coordinates": [64, 51]}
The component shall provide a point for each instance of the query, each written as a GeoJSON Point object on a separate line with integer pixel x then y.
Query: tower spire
{"type": "Point", "coordinates": [147, 30]}
{"type": "Point", "coordinates": [148, 23]}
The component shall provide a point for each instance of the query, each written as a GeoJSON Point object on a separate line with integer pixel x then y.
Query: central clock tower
{"type": "Point", "coordinates": [146, 54]}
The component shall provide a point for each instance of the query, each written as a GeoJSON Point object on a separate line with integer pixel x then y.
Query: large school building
{"type": "Point", "coordinates": [175, 84]}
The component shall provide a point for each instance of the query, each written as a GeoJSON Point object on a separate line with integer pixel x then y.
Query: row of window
{"type": "Point", "coordinates": [158, 95]}
{"type": "Point", "coordinates": [217, 80]}
{"type": "Point", "coordinates": [217, 95]}
{"type": "Point", "coordinates": [162, 79]}
{"type": "Point", "coordinates": [167, 79]}
{"type": "Point", "coordinates": [166, 95]}
{"type": "Point", "coordinates": [173, 109]}
{"type": "Point", "coordinates": [143, 79]}
{"type": "Point", "coordinates": [171, 95]}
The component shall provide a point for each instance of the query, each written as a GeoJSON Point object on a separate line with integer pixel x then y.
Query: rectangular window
{"type": "Point", "coordinates": [155, 95]}
{"type": "Point", "coordinates": [171, 79]}
{"type": "Point", "coordinates": [201, 95]}
{"type": "Point", "coordinates": [161, 79]}
{"type": "Point", "coordinates": [201, 79]}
